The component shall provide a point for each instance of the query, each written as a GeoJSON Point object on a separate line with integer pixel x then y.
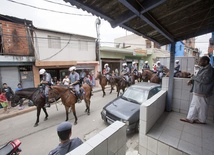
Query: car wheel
{"type": "Point", "coordinates": [137, 128]}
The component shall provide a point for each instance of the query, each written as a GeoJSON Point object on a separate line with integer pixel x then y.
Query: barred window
{"type": "Point", "coordinates": [54, 42]}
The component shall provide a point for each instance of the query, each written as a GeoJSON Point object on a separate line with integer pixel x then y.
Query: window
{"type": "Point", "coordinates": [148, 44]}
{"type": "Point", "coordinates": [83, 45]}
{"type": "Point", "coordinates": [54, 42]}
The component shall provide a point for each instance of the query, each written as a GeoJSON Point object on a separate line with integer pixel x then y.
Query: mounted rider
{"type": "Point", "coordinates": [177, 67]}
{"type": "Point", "coordinates": [134, 68]}
{"type": "Point", "coordinates": [159, 70]}
{"type": "Point", "coordinates": [146, 66]}
{"type": "Point", "coordinates": [107, 71]}
{"type": "Point", "coordinates": [125, 72]}
{"type": "Point", "coordinates": [45, 83]}
{"type": "Point", "coordinates": [75, 82]}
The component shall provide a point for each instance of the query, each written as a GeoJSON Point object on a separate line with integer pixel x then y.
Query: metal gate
{"type": "Point", "coordinates": [10, 75]}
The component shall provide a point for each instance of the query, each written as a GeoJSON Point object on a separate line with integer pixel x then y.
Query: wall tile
{"type": "Point", "coordinates": [163, 149]}
{"type": "Point", "coordinates": [152, 145]}
{"type": "Point", "coordinates": [173, 151]}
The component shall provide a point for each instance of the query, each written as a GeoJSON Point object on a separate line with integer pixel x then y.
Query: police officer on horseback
{"type": "Point", "coordinates": [125, 71]}
{"type": "Point", "coordinates": [177, 67]}
{"type": "Point", "coordinates": [45, 83]}
{"type": "Point", "coordinates": [146, 66]}
{"type": "Point", "coordinates": [75, 82]}
{"type": "Point", "coordinates": [159, 70]}
{"type": "Point", "coordinates": [107, 71]}
{"type": "Point", "coordinates": [134, 68]}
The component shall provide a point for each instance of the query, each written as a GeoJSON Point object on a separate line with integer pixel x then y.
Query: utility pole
{"type": "Point", "coordinates": [98, 23]}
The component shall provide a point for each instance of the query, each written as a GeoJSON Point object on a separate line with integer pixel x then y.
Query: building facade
{"type": "Point", "coordinates": [16, 52]}
{"type": "Point", "coordinates": [57, 51]}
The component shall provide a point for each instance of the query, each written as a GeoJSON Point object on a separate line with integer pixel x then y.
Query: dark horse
{"type": "Point", "coordinates": [35, 95]}
{"type": "Point", "coordinates": [122, 84]}
{"type": "Point", "coordinates": [69, 99]}
{"type": "Point", "coordinates": [102, 81]}
{"type": "Point", "coordinates": [113, 81]}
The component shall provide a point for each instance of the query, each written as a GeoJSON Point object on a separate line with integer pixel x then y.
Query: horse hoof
{"type": "Point", "coordinates": [35, 125]}
{"type": "Point", "coordinates": [75, 123]}
{"type": "Point", "coordinates": [45, 119]}
{"type": "Point", "coordinates": [88, 113]}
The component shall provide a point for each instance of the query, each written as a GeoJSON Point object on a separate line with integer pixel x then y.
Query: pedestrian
{"type": "Point", "coordinates": [66, 81]}
{"type": "Point", "coordinates": [9, 94]}
{"type": "Point", "coordinates": [64, 132]}
{"type": "Point", "coordinates": [19, 87]}
{"type": "Point", "coordinates": [202, 88]}
{"type": "Point", "coordinates": [3, 101]}
{"type": "Point", "coordinates": [45, 82]}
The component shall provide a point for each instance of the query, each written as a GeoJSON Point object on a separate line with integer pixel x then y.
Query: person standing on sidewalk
{"type": "Point", "coordinates": [3, 101]}
{"type": "Point", "coordinates": [203, 84]}
{"type": "Point", "coordinates": [9, 94]}
{"type": "Point", "coordinates": [19, 87]}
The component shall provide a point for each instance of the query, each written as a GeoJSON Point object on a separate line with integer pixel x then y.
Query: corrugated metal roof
{"type": "Point", "coordinates": [162, 21]}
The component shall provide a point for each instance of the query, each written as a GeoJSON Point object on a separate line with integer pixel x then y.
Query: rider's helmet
{"type": "Point", "coordinates": [133, 63]}
{"type": "Point", "coordinates": [146, 62]}
{"type": "Point", "coordinates": [72, 68]}
{"type": "Point", "coordinates": [124, 64]}
{"type": "Point", "coordinates": [42, 71]}
{"type": "Point", "coordinates": [105, 65]}
{"type": "Point", "coordinates": [176, 61]}
{"type": "Point", "coordinates": [158, 62]}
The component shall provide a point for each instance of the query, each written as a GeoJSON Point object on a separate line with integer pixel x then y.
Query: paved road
{"type": "Point", "coordinates": [41, 139]}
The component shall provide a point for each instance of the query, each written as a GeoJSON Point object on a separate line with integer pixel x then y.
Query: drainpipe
{"type": "Point", "coordinates": [171, 78]}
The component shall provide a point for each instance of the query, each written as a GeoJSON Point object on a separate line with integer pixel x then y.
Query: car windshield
{"type": "Point", "coordinates": [136, 95]}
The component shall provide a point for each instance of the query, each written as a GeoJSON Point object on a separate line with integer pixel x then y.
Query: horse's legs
{"type": "Point", "coordinates": [87, 104]}
{"type": "Point", "coordinates": [46, 114]}
{"type": "Point", "coordinates": [111, 89]}
{"type": "Point", "coordinates": [103, 89]}
{"type": "Point", "coordinates": [38, 114]}
{"type": "Point", "coordinates": [74, 113]}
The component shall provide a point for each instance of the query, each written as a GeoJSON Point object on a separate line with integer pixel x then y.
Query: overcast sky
{"type": "Point", "coordinates": [72, 20]}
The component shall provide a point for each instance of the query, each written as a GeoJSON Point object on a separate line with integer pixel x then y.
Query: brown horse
{"type": "Point", "coordinates": [35, 95]}
{"type": "Point", "coordinates": [150, 76]}
{"type": "Point", "coordinates": [69, 98]}
{"type": "Point", "coordinates": [181, 74]}
{"type": "Point", "coordinates": [102, 81]}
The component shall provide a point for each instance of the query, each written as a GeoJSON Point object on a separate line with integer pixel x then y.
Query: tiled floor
{"type": "Point", "coordinates": [194, 139]}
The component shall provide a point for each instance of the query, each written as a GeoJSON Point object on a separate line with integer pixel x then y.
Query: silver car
{"type": "Point", "coordinates": [126, 108]}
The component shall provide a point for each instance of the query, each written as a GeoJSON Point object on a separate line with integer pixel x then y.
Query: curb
{"type": "Point", "coordinates": [12, 114]}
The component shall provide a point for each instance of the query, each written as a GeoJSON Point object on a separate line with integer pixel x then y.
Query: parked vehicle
{"type": "Point", "coordinates": [11, 148]}
{"type": "Point", "coordinates": [126, 108]}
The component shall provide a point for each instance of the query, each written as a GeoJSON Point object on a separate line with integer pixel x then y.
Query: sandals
{"type": "Point", "coordinates": [188, 121]}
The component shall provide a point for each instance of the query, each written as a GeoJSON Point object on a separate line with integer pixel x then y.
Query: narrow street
{"type": "Point", "coordinates": [41, 139]}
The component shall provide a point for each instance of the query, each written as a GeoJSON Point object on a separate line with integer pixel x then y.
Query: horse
{"type": "Point", "coordinates": [150, 76]}
{"type": "Point", "coordinates": [181, 74]}
{"type": "Point", "coordinates": [69, 98]}
{"type": "Point", "coordinates": [102, 81]}
{"type": "Point", "coordinates": [122, 84]}
{"type": "Point", "coordinates": [35, 95]}
{"type": "Point", "coordinates": [113, 81]}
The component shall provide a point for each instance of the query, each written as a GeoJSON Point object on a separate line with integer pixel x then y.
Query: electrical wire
{"type": "Point", "coordinates": [61, 4]}
{"type": "Point", "coordinates": [75, 14]}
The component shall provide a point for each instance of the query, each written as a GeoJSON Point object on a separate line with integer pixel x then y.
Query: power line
{"type": "Point", "coordinates": [75, 14]}
{"type": "Point", "coordinates": [61, 4]}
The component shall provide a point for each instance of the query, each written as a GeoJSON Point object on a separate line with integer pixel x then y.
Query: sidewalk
{"type": "Point", "coordinates": [14, 111]}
